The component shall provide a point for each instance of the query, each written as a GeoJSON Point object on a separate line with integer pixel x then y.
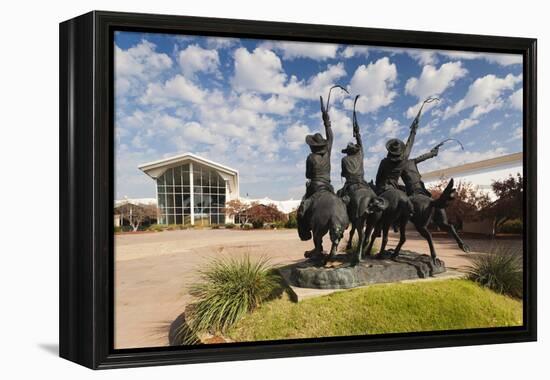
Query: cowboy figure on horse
{"type": "Point", "coordinates": [317, 171]}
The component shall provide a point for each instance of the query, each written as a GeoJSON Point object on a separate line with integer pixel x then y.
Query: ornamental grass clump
{"type": "Point", "coordinates": [228, 289]}
{"type": "Point", "coordinates": [500, 270]}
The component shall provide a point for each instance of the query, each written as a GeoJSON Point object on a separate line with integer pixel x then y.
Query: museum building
{"type": "Point", "coordinates": [192, 190]}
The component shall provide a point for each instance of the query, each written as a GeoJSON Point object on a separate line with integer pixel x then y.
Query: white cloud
{"type": "Point", "coordinates": [484, 95]}
{"type": "Point", "coordinates": [464, 125]}
{"type": "Point", "coordinates": [501, 59]}
{"type": "Point", "coordinates": [196, 59]}
{"type": "Point", "coordinates": [260, 71]}
{"type": "Point", "coordinates": [318, 84]}
{"type": "Point", "coordinates": [295, 135]}
{"type": "Point", "coordinates": [138, 64]}
{"type": "Point", "coordinates": [352, 51]}
{"type": "Point", "coordinates": [293, 50]}
{"type": "Point", "coordinates": [517, 134]}
{"type": "Point", "coordinates": [389, 128]}
{"type": "Point", "coordinates": [276, 104]}
{"type": "Point", "coordinates": [173, 92]}
{"type": "Point", "coordinates": [423, 56]}
{"type": "Point", "coordinates": [375, 84]}
{"type": "Point", "coordinates": [221, 42]}
{"type": "Point", "coordinates": [433, 82]}
{"type": "Point", "coordinates": [516, 99]}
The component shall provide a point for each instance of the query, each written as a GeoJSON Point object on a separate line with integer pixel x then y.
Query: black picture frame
{"type": "Point", "coordinates": [86, 188]}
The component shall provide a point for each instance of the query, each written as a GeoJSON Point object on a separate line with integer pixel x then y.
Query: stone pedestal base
{"type": "Point", "coordinates": [339, 274]}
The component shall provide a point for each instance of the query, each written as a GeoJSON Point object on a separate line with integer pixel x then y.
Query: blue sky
{"type": "Point", "coordinates": [249, 104]}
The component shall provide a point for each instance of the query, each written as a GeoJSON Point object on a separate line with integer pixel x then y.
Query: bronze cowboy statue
{"type": "Point", "coordinates": [424, 209]}
{"type": "Point", "coordinates": [356, 192]}
{"type": "Point", "coordinates": [321, 211]}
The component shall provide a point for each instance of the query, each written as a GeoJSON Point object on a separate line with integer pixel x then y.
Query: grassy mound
{"type": "Point", "coordinates": [378, 309]}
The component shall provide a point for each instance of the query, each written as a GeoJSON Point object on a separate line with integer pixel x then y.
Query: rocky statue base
{"type": "Point", "coordinates": [339, 274]}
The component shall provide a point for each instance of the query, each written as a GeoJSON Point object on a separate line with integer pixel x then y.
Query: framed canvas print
{"type": "Point", "coordinates": [238, 189]}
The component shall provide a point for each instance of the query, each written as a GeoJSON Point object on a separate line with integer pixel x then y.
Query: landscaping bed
{"type": "Point", "coordinates": [381, 309]}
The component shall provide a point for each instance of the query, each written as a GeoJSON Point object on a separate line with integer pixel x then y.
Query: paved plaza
{"type": "Point", "coordinates": [153, 271]}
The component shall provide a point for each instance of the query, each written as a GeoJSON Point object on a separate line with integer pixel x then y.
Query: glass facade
{"type": "Point", "coordinates": [174, 190]}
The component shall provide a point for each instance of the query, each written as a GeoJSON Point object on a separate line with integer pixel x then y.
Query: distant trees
{"type": "Point", "coordinates": [509, 202]}
{"type": "Point", "coordinates": [470, 200]}
{"type": "Point", "coordinates": [255, 213]}
{"type": "Point", "coordinates": [137, 214]}
{"type": "Point", "coordinates": [473, 203]}
{"type": "Point", "coordinates": [237, 209]}
{"type": "Point", "coordinates": [260, 214]}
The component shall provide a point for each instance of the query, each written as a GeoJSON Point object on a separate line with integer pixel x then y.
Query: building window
{"type": "Point", "coordinates": [174, 196]}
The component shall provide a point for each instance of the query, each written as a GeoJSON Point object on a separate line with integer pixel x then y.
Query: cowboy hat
{"type": "Point", "coordinates": [351, 148]}
{"type": "Point", "coordinates": [316, 140]}
{"type": "Point", "coordinates": [395, 148]}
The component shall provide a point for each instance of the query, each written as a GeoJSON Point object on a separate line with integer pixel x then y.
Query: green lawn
{"type": "Point", "coordinates": [384, 308]}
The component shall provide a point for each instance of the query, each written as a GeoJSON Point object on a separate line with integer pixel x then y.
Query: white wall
{"type": "Point", "coordinates": [29, 80]}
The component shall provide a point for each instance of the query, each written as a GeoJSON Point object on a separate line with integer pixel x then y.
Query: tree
{"type": "Point", "coordinates": [509, 202]}
{"type": "Point", "coordinates": [260, 214]}
{"type": "Point", "coordinates": [236, 208]}
{"type": "Point", "coordinates": [469, 201]}
{"type": "Point", "coordinates": [253, 212]}
{"type": "Point", "coordinates": [137, 213]}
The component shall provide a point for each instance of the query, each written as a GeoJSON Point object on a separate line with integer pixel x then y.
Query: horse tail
{"type": "Point", "coordinates": [446, 196]}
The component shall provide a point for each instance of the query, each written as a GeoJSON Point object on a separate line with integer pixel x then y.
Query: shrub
{"type": "Point", "coordinates": [500, 270]}
{"type": "Point", "coordinates": [228, 289]}
{"type": "Point", "coordinates": [118, 229]}
{"type": "Point", "coordinates": [257, 224]}
{"type": "Point", "coordinates": [514, 226]}
{"type": "Point", "coordinates": [278, 225]}
{"type": "Point", "coordinates": [156, 227]}
{"type": "Point", "coordinates": [215, 226]}
{"type": "Point", "coordinates": [292, 221]}
{"type": "Point", "coordinates": [229, 225]}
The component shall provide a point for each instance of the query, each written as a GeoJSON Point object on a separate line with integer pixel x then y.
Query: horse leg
{"type": "Point", "coordinates": [402, 238]}
{"type": "Point", "coordinates": [317, 250]}
{"type": "Point", "coordinates": [385, 233]}
{"type": "Point", "coordinates": [372, 235]}
{"type": "Point", "coordinates": [440, 218]}
{"type": "Point", "coordinates": [358, 254]}
{"type": "Point", "coordinates": [351, 233]}
{"type": "Point", "coordinates": [422, 230]}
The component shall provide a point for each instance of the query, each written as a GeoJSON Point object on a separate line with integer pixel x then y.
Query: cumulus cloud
{"type": "Point", "coordinates": [484, 95]}
{"type": "Point", "coordinates": [498, 58]}
{"type": "Point", "coordinates": [352, 51]}
{"type": "Point", "coordinates": [292, 50]}
{"type": "Point", "coordinates": [389, 128]}
{"type": "Point", "coordinates": [423, 56]}
{"type": "Point", "coordinates": [196, 59]}
{"type": "Point", "coordinates": [173, 92]}
{"type": "Point", "coordinates": [261, 71]}
{"type": "Point", "coordinates": [464, 125]}
{"type": "Point", "coordinates": [516, 99]}
{"type": "Point", "coordinates": [137, 65]}
{"type": "Point", "coordinates": [276, 104]}
{"type": "Point", "coordinates": [295, 135]}
{"type": "Point", "coordinates": [375, 83]}
{"type": "Point", "coordinates": [433, 82]}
